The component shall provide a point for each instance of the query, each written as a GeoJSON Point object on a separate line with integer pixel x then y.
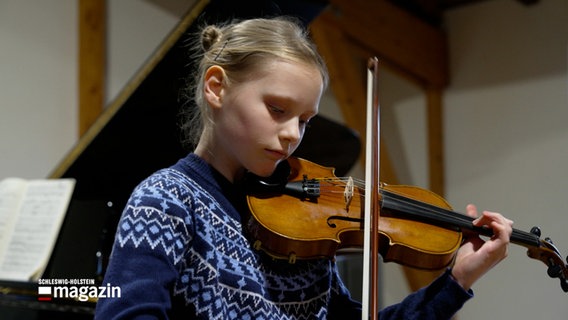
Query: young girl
{"type": "Point", "coordinates": [181, 249]}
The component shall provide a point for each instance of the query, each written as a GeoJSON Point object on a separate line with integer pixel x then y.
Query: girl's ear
{"type": "Point", "coordinates": [214, 85]}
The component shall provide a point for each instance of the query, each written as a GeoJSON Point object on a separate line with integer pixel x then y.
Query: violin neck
{"type": "Point", "coordinates": [402, 206]}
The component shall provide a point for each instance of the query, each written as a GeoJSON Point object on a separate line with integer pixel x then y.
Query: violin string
{"type": "Point", "coordinates": [358, 182]}
{"type": "Point", "coordinates": [438, 213]}
{"type": "Point", "coordinates": [448, 216]}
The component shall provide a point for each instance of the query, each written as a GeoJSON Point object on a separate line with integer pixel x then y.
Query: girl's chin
{"type": "Point", "coordinates": [266, 170]}
{"type": "Point", "coordinates": [265, 173]}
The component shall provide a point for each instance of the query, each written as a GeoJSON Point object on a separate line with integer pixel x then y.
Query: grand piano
{"type": "Point", "coordinates": [136, 137]}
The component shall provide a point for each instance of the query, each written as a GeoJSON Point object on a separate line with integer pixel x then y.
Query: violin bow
{"type": "Point", "coordinates": [370, 303]}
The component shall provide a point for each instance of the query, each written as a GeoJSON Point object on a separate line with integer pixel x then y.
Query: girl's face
{"type": "Point", "coordinates": [261, 121]}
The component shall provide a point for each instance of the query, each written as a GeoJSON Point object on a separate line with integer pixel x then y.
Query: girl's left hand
{"type": "Point", "coordinates": [477, 256]}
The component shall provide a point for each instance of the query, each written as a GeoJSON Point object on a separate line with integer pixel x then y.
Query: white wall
{"type": "Point", "coordinates": [136, 29]}
{"type": "Point", "coordinates": [505, 112]}
{"type": "Point", "coordinates": [38, 87]}
{"type": "Point", "coordinates": [506, 143]}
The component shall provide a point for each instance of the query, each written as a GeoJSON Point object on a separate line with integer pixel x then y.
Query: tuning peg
{"type": "Point", "coordinates": [536, 231]}
{"type": "Point", "coordinates": [564, 285]}
{"type": "Point", "coordinates": [554, 271]}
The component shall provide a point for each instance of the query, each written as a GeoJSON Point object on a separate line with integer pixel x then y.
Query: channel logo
{"type": "Point", "coordinates": [81, 290]}
{"type": "Point", "coordinates": [44, 293]}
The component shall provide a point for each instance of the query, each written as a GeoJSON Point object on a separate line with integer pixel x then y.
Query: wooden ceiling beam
{"type": "Point", "coordinates": [92, 61]}
{"type": "Point", "coordinates": [347, 34]}
{"type": "Point", "coordinates": [413, 46]}
{"type": "Point", "coordinates": [348, 72]}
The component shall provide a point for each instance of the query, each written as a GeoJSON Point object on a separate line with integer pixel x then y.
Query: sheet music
{"type": "Point", "coordinates": [11, 191]}
{"type": "Point", "coordinates": [35, 230]}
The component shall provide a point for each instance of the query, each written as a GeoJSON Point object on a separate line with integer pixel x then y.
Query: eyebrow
{"type": "Point", "coordinates": [288, 100]}
{"type": "Point", "coordinates": [282, 98]}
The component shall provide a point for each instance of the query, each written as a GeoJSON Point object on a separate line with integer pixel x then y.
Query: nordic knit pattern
{"type": "Point", "coordinates": [181, 252]}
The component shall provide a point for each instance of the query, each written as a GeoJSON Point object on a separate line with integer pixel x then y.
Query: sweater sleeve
{"type": "Point", "coordinates": [439, 300]}
{"type": "Point", "coordinates": [148, 248]}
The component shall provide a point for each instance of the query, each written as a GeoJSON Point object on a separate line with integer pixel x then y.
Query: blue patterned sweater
{"type": "Point", "coordinates": [180, 252]}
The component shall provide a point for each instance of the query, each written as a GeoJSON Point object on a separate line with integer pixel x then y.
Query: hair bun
{"type": "Point", "coordinates": [209, 36]}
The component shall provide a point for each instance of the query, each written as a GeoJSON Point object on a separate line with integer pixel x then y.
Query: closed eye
{"type": "Point", "coordinates": [275, 109]}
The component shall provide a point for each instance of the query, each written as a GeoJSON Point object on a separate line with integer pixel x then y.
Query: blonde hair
{"type": "Point", "coordinates": [241, 48]}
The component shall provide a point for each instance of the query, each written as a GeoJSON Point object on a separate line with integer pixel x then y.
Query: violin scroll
{"type": "Point", "coordinates": [550, 255]}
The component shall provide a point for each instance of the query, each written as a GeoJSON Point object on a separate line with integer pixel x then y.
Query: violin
{"type": "Point", "coordinates": [304, 211]}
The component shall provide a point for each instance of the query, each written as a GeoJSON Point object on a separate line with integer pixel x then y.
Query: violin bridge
{"type": "Point", "coordinates": [348, 192]}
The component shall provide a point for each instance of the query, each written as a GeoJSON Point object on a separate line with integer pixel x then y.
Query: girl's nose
{"type": "Point", "coordinates": [292, 130]}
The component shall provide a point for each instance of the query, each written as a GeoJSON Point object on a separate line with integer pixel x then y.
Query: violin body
{"type": "Point", "coordinates": [296, 225]}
